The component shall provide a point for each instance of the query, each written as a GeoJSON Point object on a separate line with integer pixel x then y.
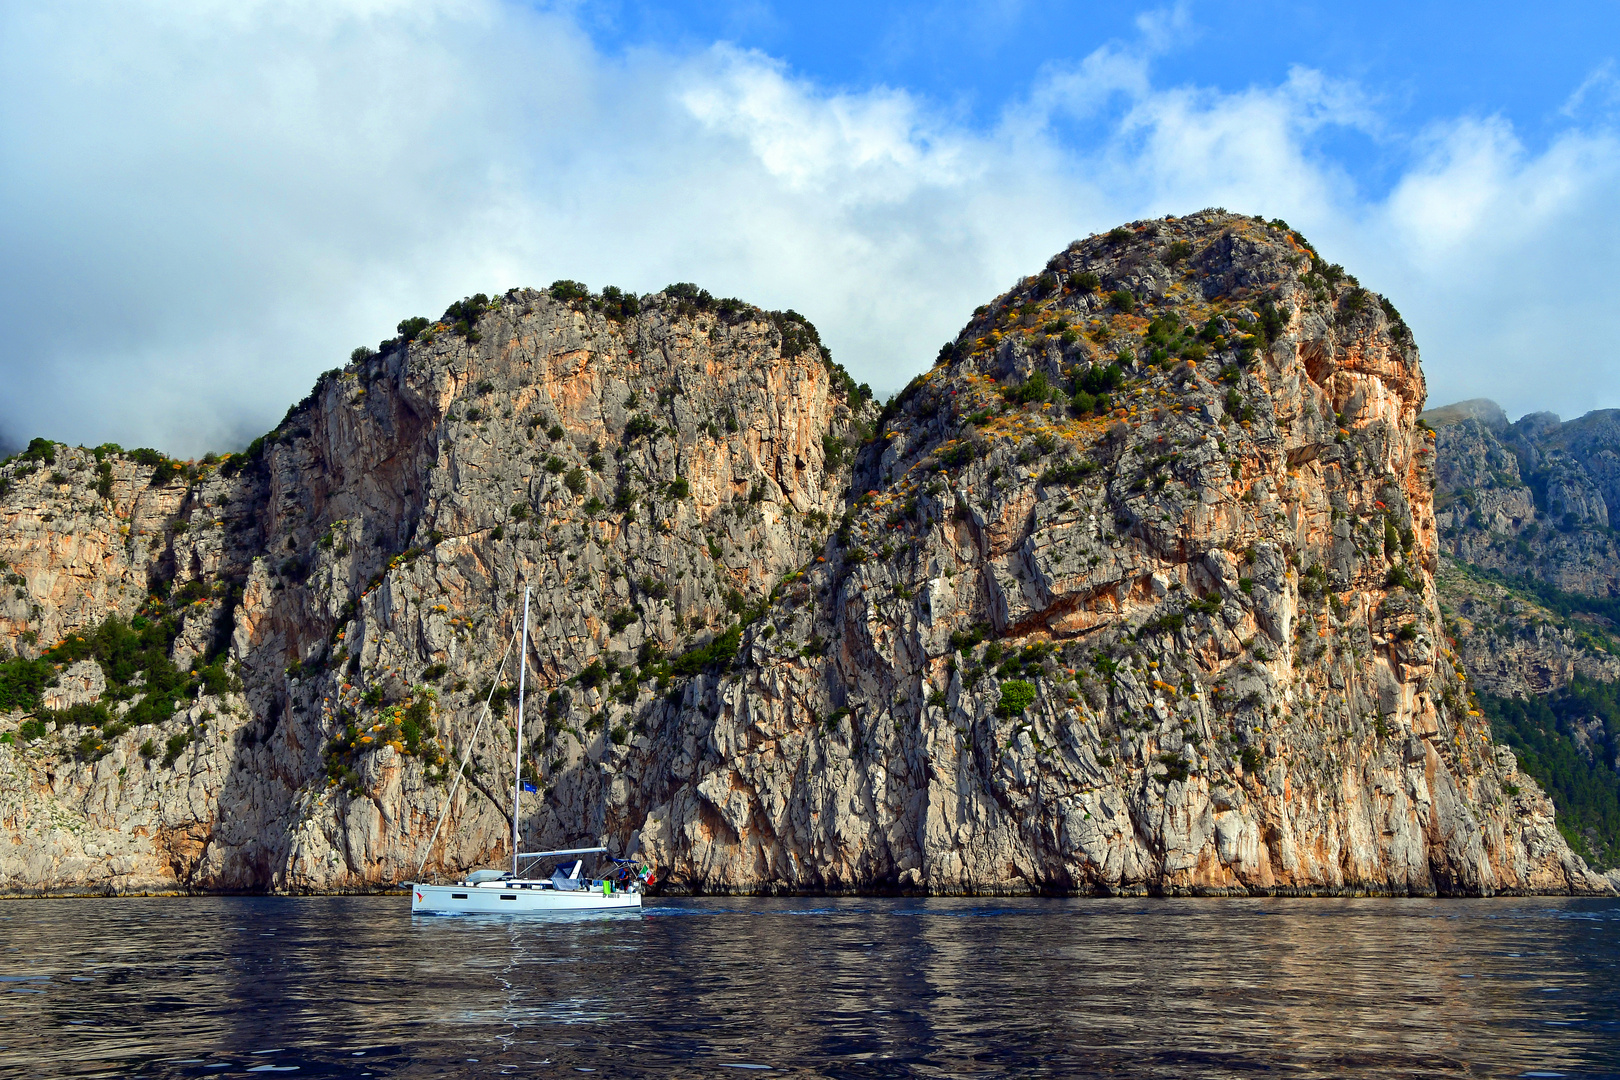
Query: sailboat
{"type": "Point", "coordinates": [616, 887]}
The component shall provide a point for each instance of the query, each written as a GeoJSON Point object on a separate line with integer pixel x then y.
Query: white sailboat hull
{"type": "Point", "coordinates": [516, 898]}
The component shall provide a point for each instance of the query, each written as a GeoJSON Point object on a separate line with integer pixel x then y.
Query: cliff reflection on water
{"type": "Point", "coordinates": [854, 988]}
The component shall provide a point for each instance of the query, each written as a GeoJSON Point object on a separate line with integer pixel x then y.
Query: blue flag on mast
{"type": "Point", "coordinates": [529, 788]}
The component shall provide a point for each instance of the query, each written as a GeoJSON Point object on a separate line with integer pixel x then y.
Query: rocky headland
{"type": "Point", "coordinates": [1133, 592]}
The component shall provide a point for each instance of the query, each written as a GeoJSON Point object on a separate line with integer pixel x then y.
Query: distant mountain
{"type": "Point", "coordinates": [1530, 498]}
{"type": "Point", "coordinates": [1484, 410]}
{"type": "Point", "coordinates": [1530, 585]}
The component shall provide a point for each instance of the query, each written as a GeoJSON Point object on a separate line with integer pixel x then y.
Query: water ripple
{"type": "Point", "coordinates": [856, 988]}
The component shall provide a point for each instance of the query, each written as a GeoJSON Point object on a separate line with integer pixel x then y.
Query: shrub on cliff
{"type": "Point", "coordinates": [722, 650]}
{"type": "Point", "coordinates": [1016, 696]}
{"type": "Point", "coordinates": [1097, 382]}
{"type": "Point", "coordinates": [40, 450]}
{"type": "Point", "coordinates": [415, 723]}
{"type": "Point", "coordinates": [135, 658]}
{"type": "Point", "coordinates": [639, 425]}
{"type": "Point", "coordinates": [798, 334]}
{"type": "Point", "coordinates": [21, 682]}
{"type": "Point", "coordinates": [833, 449]}
{"type": "Point", "coordinates": [172, 749]}
{"type": "Point", "coordinates": [1272, 321]}
{"type": "Point", "coordinates": [731, 309]}
{"type": "Point", "coordinates": [617, 304]}
{"type": "Point", "coordinates": [1175, 769]}
{"type": "Point", "coordinates": [1068, 472]}
{"type": "Point", "coordinates": [252, 455]}
{"type": "Point", "coordinates": [1400, 577]}
{"type": "Point", "coordinates": [1084, 404]}
{"type": "Point", "coordinates": [1034, 388]}
{"type": "Point", "coordinates": [1353, 303]}
{"type": "Point", "coordinates": [687, 292]}
{"type": "Point", "coordinates": [954, 457]}
{"type": "Point", "coordinates": [463, 315]}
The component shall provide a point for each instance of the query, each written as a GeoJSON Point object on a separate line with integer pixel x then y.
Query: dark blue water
{"type": "Point", "coordinates": [848, 988]}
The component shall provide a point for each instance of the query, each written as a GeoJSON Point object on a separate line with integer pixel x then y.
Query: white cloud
{"type": "Point", "coordinates": [1506, 264]}
{"type": "Point", "coordinates": [205, 205]}
{"type": "Point", "coordinates": [1600, 90]}
{"type": "Point", "coordinates": [878, 147]}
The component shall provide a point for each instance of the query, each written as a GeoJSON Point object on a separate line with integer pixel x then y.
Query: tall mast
{"type": "Point", "coordinates": [517, 753]}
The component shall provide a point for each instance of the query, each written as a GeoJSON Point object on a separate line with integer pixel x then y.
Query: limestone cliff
{"type": "Point", "coordinates": [337, 599]}
{"type": "Point", "coordinates": [1132, 592]}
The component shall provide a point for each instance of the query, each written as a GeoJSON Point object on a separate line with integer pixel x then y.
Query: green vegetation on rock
{"type": "Point", "coordinates": [1567, 740]}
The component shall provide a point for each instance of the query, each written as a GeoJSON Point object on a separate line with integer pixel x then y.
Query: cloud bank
{"type": "Point", "coordinates": [204, 205]}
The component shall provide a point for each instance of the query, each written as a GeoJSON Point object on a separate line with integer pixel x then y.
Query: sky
{"type": "Point", "coordinates": [206, 203]}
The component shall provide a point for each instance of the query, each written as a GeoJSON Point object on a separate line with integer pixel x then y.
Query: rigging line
{"type": "Point", "coordinates": [471, 743]}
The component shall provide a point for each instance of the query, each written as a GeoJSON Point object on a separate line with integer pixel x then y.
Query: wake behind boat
{"type": "Point", "coordinates": [619, 888]}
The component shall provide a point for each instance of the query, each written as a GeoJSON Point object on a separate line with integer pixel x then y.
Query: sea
{"type": "Point", "coordinates": [867, 987]}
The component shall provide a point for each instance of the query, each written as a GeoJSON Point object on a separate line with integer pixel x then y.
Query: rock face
{"type": "Point", "coordinates": [1527, 584]}
{"type": "Point", "coordinates": [1512, 646]}
{"type": "Point", "coordinates": [1133, 592]}
{"type": "Point", "coordinates": [1532, 498]}
{"type": "Point", "coordinates": [648, 474]}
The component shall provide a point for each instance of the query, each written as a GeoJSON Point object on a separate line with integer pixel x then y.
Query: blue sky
{"type": "Point", "coordinates": [1422, 61]}
{"type": "Point", "coordinates": [205, 203]}
{"type": "Point", "coordinates": [1416, 64]}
